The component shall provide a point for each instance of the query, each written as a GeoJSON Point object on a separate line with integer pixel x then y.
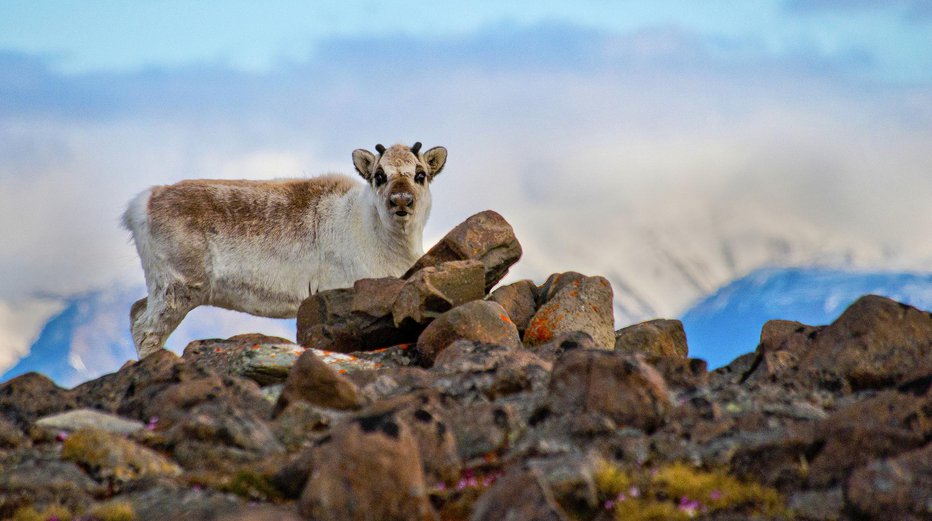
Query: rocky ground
{"type": "Point", "coordinates": [426, 397]}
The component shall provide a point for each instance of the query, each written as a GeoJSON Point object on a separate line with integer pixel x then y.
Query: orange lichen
{"type": "Point", "coordinates": [505, 318]}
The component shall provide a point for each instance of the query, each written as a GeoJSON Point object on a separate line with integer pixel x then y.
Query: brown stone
{"type": "Point", "coordinates": [345, 321]}
{"type": "Point", "coordinates": [519, 496]}
{"type": "Point", "coordinates": [367, 469]}
{"type": "Point", "coordinates": [897, 488]}
{"type": "Point", "coordinates": [624, 389]}
{"type": "Point", "coordinates": [486, 237]}
{"type": "Point", "coordinates": [435, 290]}
{"type": "Point", "coordinates": [109, 392]}
{"type": "Point", "coordinates": [479, 321]}
{"type": "Point", "coordinates": [30, 396]}
{"type": "Point", "coordinates": [659, 337]}
{"type": "Point", "coordinates": [519, 300]}
{"type": "Point", "coordinates": [554, 284]}
{"type": "Point", "coordinates": [262, 358]}
{"type": "Point", "coordinates": [313, 381]}
{"type": "Point", "coordinates": [874, 343]}
{"type": "Point", "coordinates": [585, 304]}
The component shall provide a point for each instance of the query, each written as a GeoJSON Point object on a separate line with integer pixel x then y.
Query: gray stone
{"type": "Point", "coordinates": [81, 418]}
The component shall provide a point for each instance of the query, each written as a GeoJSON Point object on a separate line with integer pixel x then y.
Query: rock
{"type": "Point", "coordinates": [38, 479]}
{"type": "Point", "coordinates": [895, 488]}
{"type": "Point", "coordinates": [263, 359]}
{"type": "Point", "coordinates": [224, 424]}
{"type": "Point", "coordinates": [435, 290]}
{"type": "Point", "coordinates": [425, 413]}
{"type": "Point", "coordinates": [656, 337]}
{"type": "Point", "coordinates": [481, 429]}
{"type": "Point", "coordinates": [519, 300]}
{"type": "Point", "coordinates": [571, 479]}
{"type": "Point", "coordinates": [260, 513]}
{"type": "Point", "coordinates": [300, 421]}
{"type": "Point", "coordinates": [340, 319]}
{"type": "Point", "coordinates": [367, 469]}
{"type": "Point", "coordinates": [491, 369]}
{"type": "Point", "coordinates": [163, 502]}
{"type": "Point", "coordinates": [681, 373]}
{"type": "Point", "coordinates": [818, 505]}
{"type": "Point", "coordinates": [874, 343]}
{"type": "Point", "coordinates": [879, 427]}
{"type": "Point", "coordinates": [115, 459]}
{"type": "Point", "coordinates": [565, 342]}
{"type": "Point", "coordinates": [519, 496]}
{"type": "Point", "coordinates": [486, 237]}
{"type": "Point", "coordinates": [585, 304]}
{"type": "Point", "coordinates": [623, 389]}
{"type": "Point", "coordinates": [375, 297]}
{"type": "Point", "coordinates": [315, 382]}
{"type": "Point", "coordinates": [554, 284]}
{"type": "Point", "coordinates": [82, 418]}
{"type": "Point", "coordinates": [109, 392]}
{"type": "Point", "coordinates": [31, 396]}
{"type": "Point", "coordinates": [479, 321]}
{"type": "Point", "coordinates": [11, 436]}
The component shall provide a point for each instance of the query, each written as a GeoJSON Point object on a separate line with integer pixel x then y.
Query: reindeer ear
{"type": "Point", "coordinates": [435, 158]}
{"type": "Point", "coordinates": [363, 161]}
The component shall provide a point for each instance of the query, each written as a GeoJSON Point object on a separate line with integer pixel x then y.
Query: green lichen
{"type": "Point", "coordinates": [51, 512]}
{"type": "Point", "coordinates": [113, 511]}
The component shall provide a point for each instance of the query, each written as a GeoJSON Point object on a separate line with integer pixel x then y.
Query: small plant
{"type": "Point", "coordinates": [50, 513]}
{"type": "Point", "coordinates": [677, 492]}
{"type": "Point", "coordinates": [113, 511]}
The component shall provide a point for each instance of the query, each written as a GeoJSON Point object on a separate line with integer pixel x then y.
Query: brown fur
{"type": "Point", "coordinates": [240, 206]}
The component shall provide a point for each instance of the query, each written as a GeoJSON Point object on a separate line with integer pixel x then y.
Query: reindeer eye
{"type": "Point", "coordinates": [380, 177]}
{"type": "Point", "coordinates": [420, 176]}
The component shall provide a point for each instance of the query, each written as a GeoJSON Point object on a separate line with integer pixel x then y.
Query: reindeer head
{"type": "Point", "coordinates": [400, 176]}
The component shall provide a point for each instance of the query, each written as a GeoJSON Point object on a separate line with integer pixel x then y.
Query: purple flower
{"type": "Point", "coordinates": [689, 506]}
{"type": "Point", "coordinates": [441, 486]}
{"type": "Point", "coordinates": [609, 504]}
{"type": "Point", "coordinates": [715, 495]}
{"type": "Point", "coordinates": [634, 491]}
{"type": "Point", "coordinates": [153, 421]}
{"type": "Point", "coordinates": [61, 436]}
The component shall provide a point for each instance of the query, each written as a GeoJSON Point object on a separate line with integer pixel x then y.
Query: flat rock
{"type": "Point", "coordinates": [486, 237]}
{"type": "Point", "coordinates": [478, 321]}
{"type": "Point", "coordinates": [659, 337]}
{"type": "Point", "coordinates": [584, 304]}
{"type": "Point", "coordinates": [266, 360]}
{"type": "Point", "coordinates": [81, 418]}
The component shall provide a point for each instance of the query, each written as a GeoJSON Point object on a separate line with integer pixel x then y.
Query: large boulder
{"type": "Point", "coordinates": [895, 488]}
{"type": "Point", "coordinates": [486, 237]}
{"type": "Point", "coordinates": [578, 304]}
{"type": "Point", "coordinates": [875, 343]}
{"type": "Point", "coordinates": [478, 321]}
{"type": "Point", "coordinates": [31, 396]}
{"type": "Point", "coordinates": [264, 359]}
{"type": "Point", "coordinates": [367, 469]}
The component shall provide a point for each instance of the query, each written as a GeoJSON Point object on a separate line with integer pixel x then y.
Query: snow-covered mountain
{"type": "Point", "coordinates": [728, 323]}
{"type": "Point", "coordinates": [90, 336]}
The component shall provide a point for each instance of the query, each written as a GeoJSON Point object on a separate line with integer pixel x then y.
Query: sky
{"type": "Point", "coordinates": [676, 145]}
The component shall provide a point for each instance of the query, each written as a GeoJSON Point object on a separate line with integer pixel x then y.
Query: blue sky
{"type": "Point", "coordinates": [675, 144]}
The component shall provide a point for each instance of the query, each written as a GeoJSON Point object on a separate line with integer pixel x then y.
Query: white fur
{"type": "Point", "coordinates": [349, 236]}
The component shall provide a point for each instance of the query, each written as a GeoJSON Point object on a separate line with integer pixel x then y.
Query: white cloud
{"type": "Point", "coordinates": [670, 172]}
{"type": "Point", "coordinates": [19, 325]}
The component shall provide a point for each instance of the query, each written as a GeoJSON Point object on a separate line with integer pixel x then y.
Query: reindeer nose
{"type": "Point", "coordinates": [401, 199]}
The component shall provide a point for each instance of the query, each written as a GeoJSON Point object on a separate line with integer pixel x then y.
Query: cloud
{"type": "Point", "coordinates": [669, 160]}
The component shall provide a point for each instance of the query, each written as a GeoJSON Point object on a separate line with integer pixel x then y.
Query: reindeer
{"type": "Point", "coordinates": [262, 247]}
